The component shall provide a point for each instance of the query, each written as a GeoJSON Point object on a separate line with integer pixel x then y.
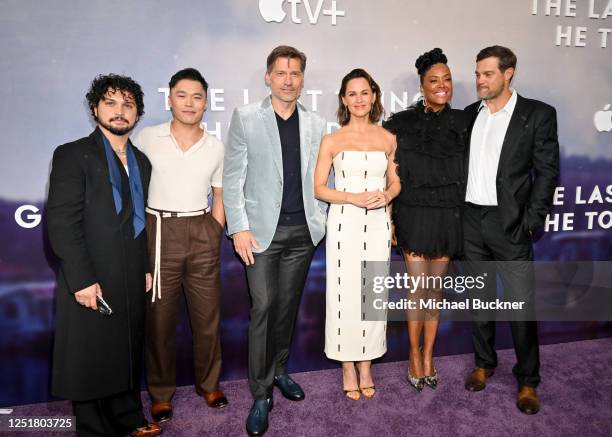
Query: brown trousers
{"type": "Point", "coordinates": [190, 252]}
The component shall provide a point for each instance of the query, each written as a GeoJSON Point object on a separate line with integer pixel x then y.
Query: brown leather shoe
{"type": "Point", "coordinates": [477, 380]}
{"type": "Point", "coordinates": [527, 400]}
{"type": "Point", "coordinates": [161, 411]}
{"type": "Point", "coordinates": [216, 399]}
{"type": "Point", "coordinates": [146, 431]}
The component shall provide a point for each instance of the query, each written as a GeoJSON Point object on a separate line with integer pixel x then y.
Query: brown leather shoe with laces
{"type": "Point", "coordinates": [216, 399]}
{"type": "Point", "coordinates": [527, 400]}
{"type": "Point", "coordinates": [161, 411]}
{"type": "Point", "coordinates": [477, 380]}
{"type": "Point", "coordinates": [146, 431]}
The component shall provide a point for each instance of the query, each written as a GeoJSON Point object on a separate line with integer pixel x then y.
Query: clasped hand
{"type": "Point", "coordinates": [369, 199]}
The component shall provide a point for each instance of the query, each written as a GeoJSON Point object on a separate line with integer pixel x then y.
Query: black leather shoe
{"type": "Point", "coordinates": [257, 422]}
{"type": "Point", "coordinates": [289, 388]}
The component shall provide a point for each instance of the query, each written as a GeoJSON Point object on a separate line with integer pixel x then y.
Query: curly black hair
{"type": "Point", "coordinates": [114, 82]}
{"type": "Point", "coordinates": [429, 59]}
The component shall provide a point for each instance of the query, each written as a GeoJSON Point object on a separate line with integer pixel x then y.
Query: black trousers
{"type": "Point", "coordinates": [485, 240]}
{"type": "Point", "coordinates": [116, 415]}
{"type": "Point", "coordinates": [276, 281]}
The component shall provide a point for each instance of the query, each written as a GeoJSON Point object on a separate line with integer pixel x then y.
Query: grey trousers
{"type": "Point", "coordinates": [276, 281]}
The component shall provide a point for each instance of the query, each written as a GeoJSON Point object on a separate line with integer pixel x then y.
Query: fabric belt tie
{"type": "Point", "coordinates": [157, 267]}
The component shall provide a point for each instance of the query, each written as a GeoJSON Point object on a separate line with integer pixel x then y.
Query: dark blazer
{"type": "Point", "coordinates": [528, 168]}
{"type": "Point", "coordinates": [95, 355]}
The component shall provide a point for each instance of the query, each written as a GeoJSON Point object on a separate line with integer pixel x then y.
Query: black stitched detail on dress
{"type": "Point", "coordinates": [338, 314]}
{"type": "Point", "coordinates": [363, 281]}
{"type": "Point", "coordinates": [364, 264]}
{"type": "Point", "coordinates": [342, 210]}
{"type": "Point", "coordinates": [388, 228]}
{"type": "Point", "coordinates": [339, 226]}
{"type": "Point", "coordinates": [338, 245]}
{"type": "Point", "coordinates": [338, 263]}
{"type": "Point", "coordinates": [342, 158]}
{"type": "Point", "coordinates": [366, 190]}
{"type": "Point", "coordinates": [365, 175]}
{"type": "Point", "coordinates": [365, 228]}
{"type": "Point", "coordinates": [364, 332]}
{"type": "Point", "coordinates": [364, 349]}
{"type": "Point", "coordinates": [343, 174]}
{"type": "Point", "coordinates": [364, 245]}
{"type": "Point", "coordinates": [338, 280]}
{"type": "Point", "coordinates": [338, 298]}
{"type": "Point", "coordinates": [366, 212]}
{"type": "Point", "coordinates": [363, 296]}
{"type": "Point", "coordinates": [338, 331]}
{"type": "Point", "coordinates": [363, 317]}
{"type": "Point", "coordinates": [338, 347]}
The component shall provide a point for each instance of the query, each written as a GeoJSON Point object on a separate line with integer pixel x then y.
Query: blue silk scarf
{"type": "Point", "coordinates": [136, 191]}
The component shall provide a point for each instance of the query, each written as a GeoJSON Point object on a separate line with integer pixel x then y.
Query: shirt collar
{"type": "Point", "coordinates": [508, 107]}
{"type": "Point", "coordinates": [164, 130]}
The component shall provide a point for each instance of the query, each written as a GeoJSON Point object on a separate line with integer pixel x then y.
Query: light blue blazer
{"type": "Point", "coordinates": [253, 172]}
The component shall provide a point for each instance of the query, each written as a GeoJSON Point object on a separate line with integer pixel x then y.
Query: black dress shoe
{"type": "Point", "coordinates": [161, 411]}
{"type": "Point", "coordinates": [257, 422]}
{"type": "Point", "coordinates": [289, 388]}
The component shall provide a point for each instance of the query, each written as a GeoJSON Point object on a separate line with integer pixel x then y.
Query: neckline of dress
{"type": "Point", "coordinates": [359, 151]}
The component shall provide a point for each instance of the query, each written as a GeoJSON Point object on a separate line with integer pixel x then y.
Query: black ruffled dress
{"type": "Point", "coordinates": [430, 154]}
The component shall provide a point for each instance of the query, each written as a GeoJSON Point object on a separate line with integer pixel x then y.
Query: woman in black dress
{"type": "Point", "coordinates": [431, 139]}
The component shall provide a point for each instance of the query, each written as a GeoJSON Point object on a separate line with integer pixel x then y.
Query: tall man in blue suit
{"type": "Point", "coordinates": [274, 219]}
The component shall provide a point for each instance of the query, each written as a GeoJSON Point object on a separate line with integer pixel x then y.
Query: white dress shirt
{"type": "Point", "coordinates": [180, 181]}
{"type": "Point", "coordinates": [486, 144]}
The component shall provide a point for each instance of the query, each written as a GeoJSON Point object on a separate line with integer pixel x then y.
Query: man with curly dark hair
{"type": "Point", "coordinates": [96, 219]}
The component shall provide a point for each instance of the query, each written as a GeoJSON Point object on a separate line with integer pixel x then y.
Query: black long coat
{"type": "Point", "coordinates": [95, 355]}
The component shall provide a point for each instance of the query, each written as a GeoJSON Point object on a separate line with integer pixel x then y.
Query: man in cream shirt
{"type": "Point", "coordinates": [184, 236]}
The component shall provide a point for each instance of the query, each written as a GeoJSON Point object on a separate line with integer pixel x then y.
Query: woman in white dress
{"type": "Point", "coordinates": [358, 225]}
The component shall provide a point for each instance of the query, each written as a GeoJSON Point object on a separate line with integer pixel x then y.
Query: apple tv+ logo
{"type": "Point", "coordinates": [272, 11]}
{"type": "Point", "coordinates": [603, 119]}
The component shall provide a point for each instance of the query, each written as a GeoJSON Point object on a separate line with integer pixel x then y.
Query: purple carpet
{"type": "Point", "coordinates": [575, 392]}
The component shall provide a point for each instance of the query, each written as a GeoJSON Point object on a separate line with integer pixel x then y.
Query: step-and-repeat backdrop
{"type": "Point", "coordinates": [50, 52]}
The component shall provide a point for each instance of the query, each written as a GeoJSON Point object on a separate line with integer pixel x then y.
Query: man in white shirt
{"type": "Point", "coordinates": [184, 236]}
{"type": "Point", "coordinates": [512, 174]}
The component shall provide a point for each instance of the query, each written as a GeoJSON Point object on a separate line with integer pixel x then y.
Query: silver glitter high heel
{"type": "Point", "coordinates": [416, 383]}
{"type": "Point", "coordinates": [432, 380]}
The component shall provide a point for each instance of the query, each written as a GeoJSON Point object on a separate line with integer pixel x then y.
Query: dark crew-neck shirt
{"type": "Point", "coordinates": [292, 206]}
